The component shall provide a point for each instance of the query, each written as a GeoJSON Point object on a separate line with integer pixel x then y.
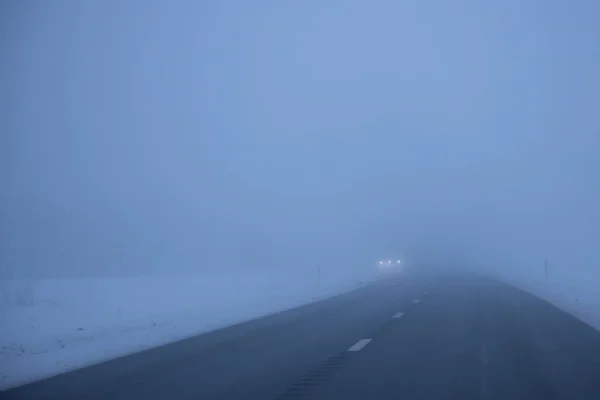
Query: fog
{"type": "Point", "coordinates": [147, 137]}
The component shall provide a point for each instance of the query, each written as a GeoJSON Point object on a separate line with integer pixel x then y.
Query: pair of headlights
{"type": "Point", "coordinates": [389, 262]}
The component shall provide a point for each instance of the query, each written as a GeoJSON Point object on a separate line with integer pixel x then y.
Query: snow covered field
{"type": "Point", "coordinates": [577, 295]}
{"type": "Point", "coordinates": [55, 325]}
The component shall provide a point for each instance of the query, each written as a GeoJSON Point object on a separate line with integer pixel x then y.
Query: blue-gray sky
{"type": "Point", "coordinates": [144, 136]}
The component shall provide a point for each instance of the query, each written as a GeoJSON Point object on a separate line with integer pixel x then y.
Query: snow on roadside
{"type": "Point", "coordinates": [577, 294]}
{"type": "Point", "coordinates": [64, 324]}
{"type": "Point", "coordinates": [580, 299]}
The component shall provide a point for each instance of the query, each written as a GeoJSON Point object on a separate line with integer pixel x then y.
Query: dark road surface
{"type": "Point", "coordinates": [411, 337]}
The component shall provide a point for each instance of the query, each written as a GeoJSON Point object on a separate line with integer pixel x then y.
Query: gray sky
{"type": "Point", "coordinates": [144, 136]}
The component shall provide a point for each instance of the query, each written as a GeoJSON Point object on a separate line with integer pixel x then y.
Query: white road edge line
{"type": "Point", "coordinates": [416, 301]}
{"type": "Point", "coordinates": [358, 346]}
{"type": "Point", "coordinates": [398, 315]}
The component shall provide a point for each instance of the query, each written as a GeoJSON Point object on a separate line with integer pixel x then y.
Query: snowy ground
{"type": "Point", "coordinates": [575, 291]}
{"type": "Point", "coordinates": [55, 325]}
{"type": "Point", "coordinates": [579, 297]}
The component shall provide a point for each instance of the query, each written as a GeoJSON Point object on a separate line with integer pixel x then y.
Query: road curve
{"type": "Point", "coordinates": [418, 336]}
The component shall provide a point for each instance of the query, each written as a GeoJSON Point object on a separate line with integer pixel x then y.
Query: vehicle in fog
{"type": "Point", "coordinates": [390, 265]}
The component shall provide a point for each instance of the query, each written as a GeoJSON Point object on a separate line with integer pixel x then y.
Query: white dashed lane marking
{"type": "Point", "coordinates": [416, 301]}
{"type": "Point", "coordinates": [426, 293]}
{"type": "Point", "coordinates": [358, 346]}
{"type": "Point", "coordinates": [398, 315]}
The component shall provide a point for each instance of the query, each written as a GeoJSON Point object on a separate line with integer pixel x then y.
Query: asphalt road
{"type": "Point", "coordinates": [413, 337]}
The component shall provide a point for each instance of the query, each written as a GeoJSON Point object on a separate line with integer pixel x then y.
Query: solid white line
{"type": "Point", "coordinates": [398, 315]}
{"type": "Point", "coordinates": [416, 301]}
{"type": "Point", "coordinates": [358, 346]}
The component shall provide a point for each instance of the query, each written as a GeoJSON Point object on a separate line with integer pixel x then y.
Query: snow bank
{"type": "Point", "coordinates": [577, 294]}
{"type": "Point", "coordinates": [55, 325]}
